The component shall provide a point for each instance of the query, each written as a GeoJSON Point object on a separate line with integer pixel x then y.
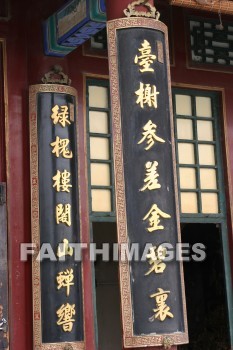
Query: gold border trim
{"type": "Point", "coordinates": [36, 284]}
{"type": "Point", "coordinates": [131, 340]}
{"type": "Point", "coordinates": [172, 36]}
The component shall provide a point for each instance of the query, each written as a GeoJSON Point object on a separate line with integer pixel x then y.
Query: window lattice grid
{"type": "Point", "coordinates": [197, 149]}
{"type": "Point", "coordinates": [209, 43]}
{"type": "Point", "coordinates": [100, 160]}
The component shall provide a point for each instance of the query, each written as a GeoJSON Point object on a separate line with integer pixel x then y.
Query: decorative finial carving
{"type": "Point", "coordinates": [56, 76]}
{"type": "Point", "coordinates": [151, 13]}
{"type": "Point", "coordinates": [167, 343]}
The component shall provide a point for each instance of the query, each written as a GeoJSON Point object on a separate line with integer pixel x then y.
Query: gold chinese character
{"type": "Point", "coordinates": [64, 249]}
{"type": "Point", "coordinates": [62, 181]}
{"type": "Point", "coordinates": [63, 214]}
{"type": "Point", "coordinates": [154, 218]}
{"type": "Point", "coordinates": [156, 257]}
{"type": "Point", "coordinates": [65, 314]}
{"type": "Point", "coordinates": [147, 94]}
{"type": "Point", "coordinates": [163, 310]}
{"type": "Point", "coordinates": [149, 134]}
{"type": "Point", "coordinates": [146, 58]}
{"type": "Point", "coordinates": [61, 117]}
{"type": "Point", "coordinates": [65, 279]}
{"type": "Point", "coordinates": [60, 147]}
{"type": "Point", "coordinates": [151, 179]}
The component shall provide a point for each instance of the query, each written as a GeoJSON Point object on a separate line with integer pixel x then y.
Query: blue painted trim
{"type": "Point", "coordinates": [94, 22]}
{"type": "Point", "coordinates": [51, 48]}
{"type": "Point", "coordinates": [102, 5]}
{"type": "Point", "coordinates": [83, 34]}
{"type": "Point", "coordinates": [96, 12]}
{"type": "Point", "coordinates": [72, 31]}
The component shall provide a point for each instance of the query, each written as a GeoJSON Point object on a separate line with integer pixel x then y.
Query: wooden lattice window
{"type": "Point", "coordinates": [101, 187]}
{"type": "Point", "coordinates": [198, 152]}
{"type": "Point", "coordinates": [210, 43]}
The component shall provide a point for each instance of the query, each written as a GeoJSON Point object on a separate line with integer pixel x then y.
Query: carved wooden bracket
{"type": "Point", "coordinates": [150, 13]}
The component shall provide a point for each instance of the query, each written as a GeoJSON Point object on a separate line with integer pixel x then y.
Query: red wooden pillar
{"type": "Point", "coordinates": [115, 10]}
{"type": "Point", "coordinates": [18, 181]}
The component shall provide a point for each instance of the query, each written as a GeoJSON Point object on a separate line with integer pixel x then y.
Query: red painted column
{"type": "Point", "coordinates": [115, 10]}
{"type": "Point", "coordinates": [18, 181]}
{"type": "Point", "coordinates": [2, 121]}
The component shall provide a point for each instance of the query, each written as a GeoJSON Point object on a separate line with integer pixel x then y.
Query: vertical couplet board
{"type": "Point", "coordinates": [152, 291]}
{"type": "Point", "coordinates": [57, 285]}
